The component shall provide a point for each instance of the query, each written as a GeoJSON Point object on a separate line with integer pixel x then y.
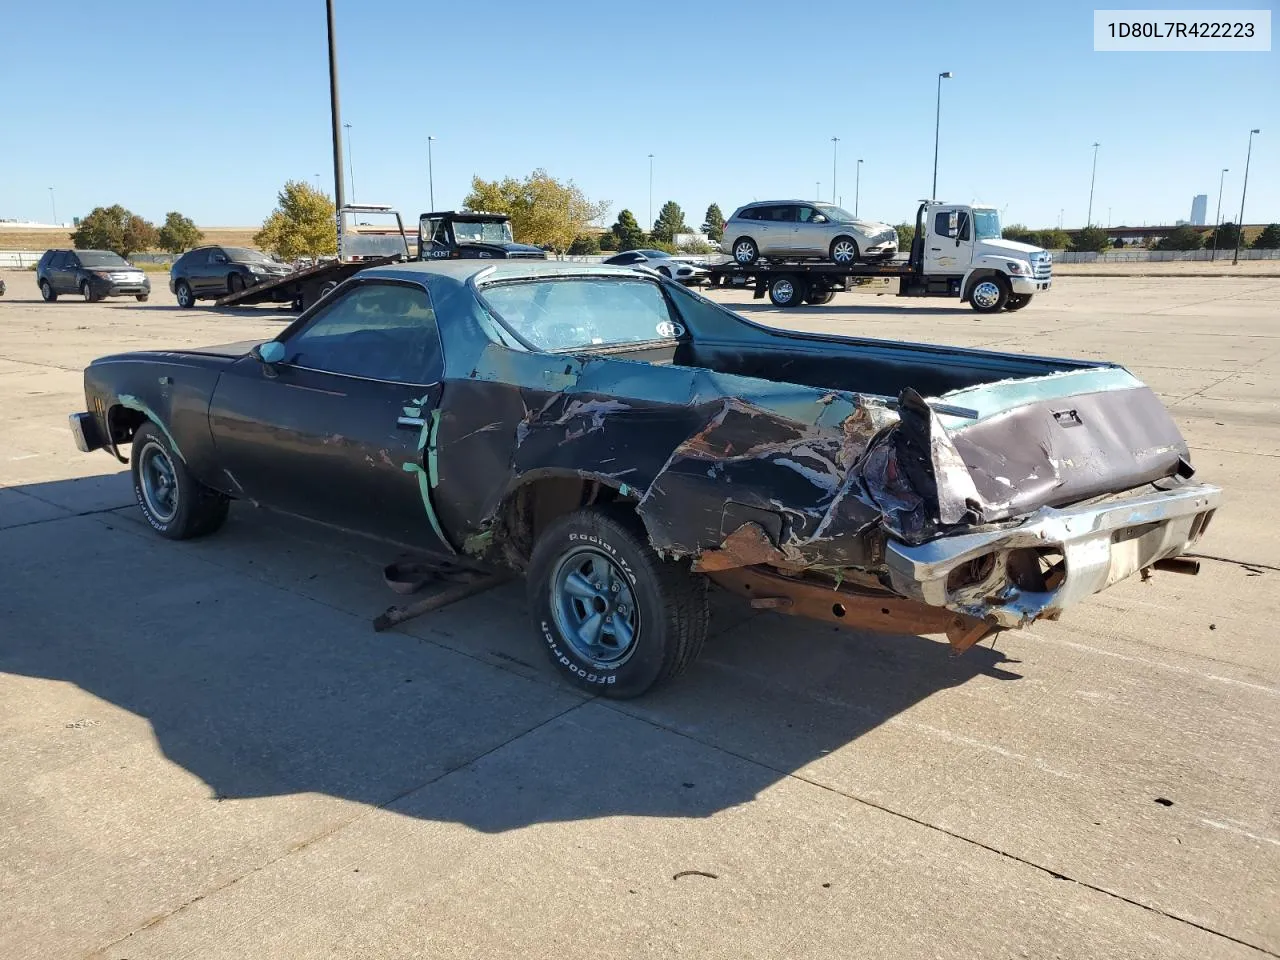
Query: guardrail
{"type": "Point", "coordinates": [1161, 256]}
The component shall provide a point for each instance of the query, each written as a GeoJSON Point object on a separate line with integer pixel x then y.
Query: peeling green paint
{"type": "Point", "coordinates": [133, 403]}
{"type": "Point", "coordinates": [424, 489]}
{"type": "Point", "coordinates": [433, 461]}
{"type": "Point", "coordinates": [412, 411]}
{"type": "Point", "coordinates": [624, 490]}
{"type": "Point", "coordinates": [477, 542]}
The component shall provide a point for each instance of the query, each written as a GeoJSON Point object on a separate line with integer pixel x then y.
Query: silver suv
{"type": "Point", "coordinates": [800, 228]}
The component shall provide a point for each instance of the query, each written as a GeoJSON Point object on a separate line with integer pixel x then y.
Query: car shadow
{"type": "Point", "coordinates": [251, 655]}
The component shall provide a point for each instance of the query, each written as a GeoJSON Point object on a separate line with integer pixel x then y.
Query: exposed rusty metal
{"type": "Point", "coordinates": [849, 606]}
{"type": "Point", "coordinates": [747, 545]}
{"type": "Point", "coordinates": [448, 586]}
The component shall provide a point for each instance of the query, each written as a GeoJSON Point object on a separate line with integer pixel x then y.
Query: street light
{"type": "Point", "coordinates": [651, 193]}
{"type": "Point", "coordinates": [1217, 217]}
{"type": "Point", "coordinates": [351, 167]}
{"type": "Point", "coordinates": [431, 174]}
{"type": "Point", "coordinates": [1088, 220]}
{"type": "Point", "coordinates": [857, 186]}
{"type": "Point", "coordinates": [53, 206]}
{"type": "Point", "coordinates": [1240, 223]}
{"type": "Point", "coordinates": [817, 189]}
{"type": "Point", "coordinates": [835, 141]}
{"type": "Point", "coordinates": [937, 126]}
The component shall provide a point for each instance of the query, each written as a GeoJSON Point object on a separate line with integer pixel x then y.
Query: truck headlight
{"type": "Point", "coordinates": [1015, 267]}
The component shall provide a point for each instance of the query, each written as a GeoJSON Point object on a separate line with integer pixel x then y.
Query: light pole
{"type": "Point", "coordinates": [335, 119]}
{"type": "Point", "coordinates": [431, 174]}
{"type": "Point", "coordinates": [835, 145]}
{"type": "Point", "coordinates": [1088, 220]}
{"type": "Point", "coordinates": [857, 186]}
{"type": "Point", "coordinates": [937, 127]}
{"type": "Point", "coordinates": [651, 193]}
{"type": "Point", "coordinates": [1243, 190]}
{"type": "Point", "coordinates": [817, 189]}
{"type": "Point", "coordinates": [1217, 217]}
{"type": "Point", "coordinates": [53, 206]}
{"type": "Point", "coordinates": [351, 167]}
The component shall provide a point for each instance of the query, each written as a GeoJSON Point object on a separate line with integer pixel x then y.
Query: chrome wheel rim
{"type": "Point", "coordinates": [844, 252]}
{"type": "Point", "coordinates": [45, 291]}
{"type": "Point", "coordinates": [159, 482]}
{"type": "Point", "coordinates": [594, 607]}
{"type": "Point", "coordinates": [986, 294]}
{"type": "Point", "coordinates": [784, 291]}
{"type": "Point", "coordinates": [184, 295]}
{"type": "Point", "coordinates": [744, 252]}
{"type": "Point", "coordinates": [85, 292]}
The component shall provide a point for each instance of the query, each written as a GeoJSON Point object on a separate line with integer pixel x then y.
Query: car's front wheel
{"type": "Point", "coordinates": [175, 504]}
{"type": "Point", "coordinates": [745, 251]}
{"type": "Point", "coordinates": [182, 290]}
{"type": "Point", "coordinates": [87, 293]}
{"type": "Point", "coordinates": [614, 617]}
{"type": "Point", "coordinates": [844, 251]}
{"type": "Point", "coordinates": [46, 292]}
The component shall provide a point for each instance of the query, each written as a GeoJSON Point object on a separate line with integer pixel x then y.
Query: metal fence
{"type": "Point", "coordinates": [1161, 256]}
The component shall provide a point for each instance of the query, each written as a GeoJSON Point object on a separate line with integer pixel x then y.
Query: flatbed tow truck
{"type": "Point", "coordinates": [957, 252]}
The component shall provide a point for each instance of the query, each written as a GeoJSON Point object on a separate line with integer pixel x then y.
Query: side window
{"type": "Point", "coordinates": [380, 331]}
{"type": "Point", "coordinates": [55, 260]}
{"type": "Point", "coordinates": [786, 214]}
{"type": "Point", "coordinates": [70, 261]}
{"type": "Point", "coordinates": [803, 214]}
{"type": "Point", "coordinates": [941, 226]}
{"type": "Point", "coordinates": [751, 213]}
{"type": "Point", "coordinates": [217, 256]}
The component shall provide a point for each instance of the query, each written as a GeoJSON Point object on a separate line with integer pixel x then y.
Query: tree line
{"type": "Point", "coordinates": [1097, 240]}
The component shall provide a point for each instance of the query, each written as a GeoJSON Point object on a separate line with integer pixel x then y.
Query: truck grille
{"type": "Point", "coordinates": [1042, 265]}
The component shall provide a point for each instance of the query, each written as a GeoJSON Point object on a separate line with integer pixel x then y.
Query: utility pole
{"type": "Point", "coordinates": [431, 174]}
{"type": "Point", "coordinates": [817, 189]}
{"type": "Point", "coordinates": [1243, 190]}
{"type": "Point", "coordinates": [1217, 217]}
{"type": "Point", "coordinates": [835, 145]}
{"type": "Point", "coordinates": [651, 193]}
{"type": "Point", "coordinates": [53, 206]}
{"type": "Point", "coordinates": [937, 127]}
{"type": "Point", "coordinates": [857, 186]}
{"type": "Point", "coordinates": [335, 115]}
{"type": "Point", "coordinates": [1088, 220]}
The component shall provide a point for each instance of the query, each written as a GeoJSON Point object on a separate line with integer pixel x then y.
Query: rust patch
{"type": "Point", "coordinates": [747, 545]}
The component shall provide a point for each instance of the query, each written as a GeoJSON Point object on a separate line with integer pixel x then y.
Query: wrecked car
{"type": "Point", "coordinates": [622, 440]}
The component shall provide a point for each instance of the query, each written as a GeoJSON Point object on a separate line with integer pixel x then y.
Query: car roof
{"type": "Point", "coordinates": [463, 270]}
{"type": "Point", "coordinates": [774, 203]}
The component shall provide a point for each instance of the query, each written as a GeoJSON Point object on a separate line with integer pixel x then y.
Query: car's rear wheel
{"type": "Point", "coordinates": [235, 283]}
{"type": "Point", "coordinates": [615, 618]}
{"type": "Point", "coordinates": [989, 294]}
{"type": "Point", "coordinates": [1017, 301]}
{"type": "Point", "coordinates": [86, 291]}
{"type": "Point", "coordinates": [745, 251]}
{"type": "Point", "coordinates": [844, 251]}
{"type": "Point", "coordinates": [46, 292]}
{"type": "Point", "coordinates": [819, 297]}
{"type": "Point", "coordinates": [787, 290]}
{"type": "Point", "coordinates": [174, 503]}
{"type": "Point", "coordinates": [182, 290]}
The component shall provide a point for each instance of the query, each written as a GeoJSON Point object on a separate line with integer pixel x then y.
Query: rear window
{"type": "Point", "coordinates": [577, 312]}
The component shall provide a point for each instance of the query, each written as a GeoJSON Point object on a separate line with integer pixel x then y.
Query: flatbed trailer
{"type": "Point", "coordinates": [790, 283]}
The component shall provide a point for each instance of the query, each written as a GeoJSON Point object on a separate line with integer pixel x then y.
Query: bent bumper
{"type": "Point", "coordinates": [986, 575]}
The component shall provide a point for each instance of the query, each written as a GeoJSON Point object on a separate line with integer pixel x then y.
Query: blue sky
{"type": "Point", "coordinates": [209, 108]}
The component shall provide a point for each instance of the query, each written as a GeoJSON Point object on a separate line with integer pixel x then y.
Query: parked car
{"type": "Point", "coordinates": [2, 287]}
{"type": "Point", "coordinates": [674, 267]}
{"type": "Point", "coordinates": [798, 228]}
{"type": "Point", "coordinates": [93, 274]}
{"type": "Point", "coordinates": [621, 440]}
{"type": "Point", "coordinates": [214, 271]}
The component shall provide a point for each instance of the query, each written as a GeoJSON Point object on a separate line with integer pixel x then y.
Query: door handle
{"type": "Point", "coordinates": [936, 249]}
{"type": "Point", "coordinates": [411, 422]}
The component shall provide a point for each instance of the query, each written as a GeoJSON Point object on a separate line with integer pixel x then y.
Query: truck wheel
{"type": "Point", "coordinates": [745, 251]}
{"type": "Point", "coordinates": [615, 618]}
{"type": "Point", "coordinates": [175, 504]}
{"type": "Point", "coordinates": [182, 291]}
{"type": "Point", "coordinates": [989, 294]}
{"type": "Point", "coordinates": [327, 289]}
{"type": "Point", "coordinates": [786, 291]}
{"type": "Point", "coordinates": [844, 250]}
{"type": "Point", "coordinates": [1017, 301]}
{"type": "Point", "coordinates": [819, 297]}
{"type": "Point", "coordinates": [46, 292]}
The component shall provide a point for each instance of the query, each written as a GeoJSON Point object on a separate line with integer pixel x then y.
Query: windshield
{"type": "Point", "coordinates": [574, 312]}
{"type": "Point", "coordinates": [242, 254]}
{"type": "Point", "coordinates": [99, 258]}
{"type": "Point", "coordinates": [986, 224]}
{"type": "Point", "coordinates": [481, 231]}
{"type": "Point", "coordinates": [838, 214]}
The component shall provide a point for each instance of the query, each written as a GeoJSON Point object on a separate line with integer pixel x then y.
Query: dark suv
{"type": "Point", "coordinates": [93, 274]}
{"type": "Point", "coordinates": [207, 273]}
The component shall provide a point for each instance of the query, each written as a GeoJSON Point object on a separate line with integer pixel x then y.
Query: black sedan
{"type": "Point", "coordinates": [207, 273]}
{"type": "Point", "coordinates": [621, 440]}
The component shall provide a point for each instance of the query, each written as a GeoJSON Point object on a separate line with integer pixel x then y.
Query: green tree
{"type": "Point", "coordinates": [697, 246]}
{"type": "Point", "coordinates": [543, 210]}
{"type": "Point", "coordinates": [301, 225]}
{"type": "Point", "coordinates": [670, 222]}
{"type": "Point", "coordinates": [1268, 239]}
{"type": "Point", "coordinates": [584, 244]}
{"type": "Point", "coordinates": [114, 228]}
{"type": "Point", "coordinates": [1118, 243]}
{"type": "Point", "coordinates": [627, 234]}
{"type": "Point", "coordinates": [1226, 236]}
{"type": "Point", "coordinates": [713, 223]}
{"type": "Point", "coordinates": [1052, 239]}
{"type": "Point", "coordinates": [1181, 238]}
{"type": "Point", "coordinates": [178, 234]}
{"type": "Point", "coordinates": [906, 235]}
{"type": "Point", "coordinates": [607, 241]}
{"type": "Point", "coordinates": [1090, 240]}
{"type": "Point", "coordinates": [1021, 233]}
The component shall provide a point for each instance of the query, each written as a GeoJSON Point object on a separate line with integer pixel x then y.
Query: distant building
{"type": "Point", "coordinates": [1199, 209]}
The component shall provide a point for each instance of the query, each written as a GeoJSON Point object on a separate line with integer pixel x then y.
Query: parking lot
{"type": "Point", "coordinates": [206, 751]}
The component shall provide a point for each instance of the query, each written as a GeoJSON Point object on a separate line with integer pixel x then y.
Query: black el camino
{"type": "Point", "coordinates": [622, 440]}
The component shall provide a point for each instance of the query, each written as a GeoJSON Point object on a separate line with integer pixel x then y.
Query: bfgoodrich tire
{"type": "Point", "coordinates": [174, 503]}
{"type": "Point", "coordinates": [614, 617]}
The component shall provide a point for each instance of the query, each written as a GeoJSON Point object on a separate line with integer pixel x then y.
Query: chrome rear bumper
{"type": "Point", "coordinates": [1099, 545]}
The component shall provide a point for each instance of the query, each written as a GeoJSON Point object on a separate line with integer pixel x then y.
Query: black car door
{"type": "Point", "coordinates": [338, 430]}
{"type": "Point", "coordinates": [64, 273]}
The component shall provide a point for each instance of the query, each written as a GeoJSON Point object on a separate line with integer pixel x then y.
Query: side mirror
{"type": "Point", "coordinates": [953, 221]}
{"type": "Point", "coordinates": [270, 352]}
